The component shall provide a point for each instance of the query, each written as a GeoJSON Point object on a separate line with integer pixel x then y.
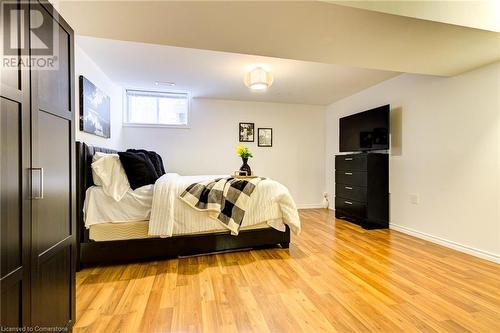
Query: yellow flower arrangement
{"type": "Point", "coordinates": [243, 151]}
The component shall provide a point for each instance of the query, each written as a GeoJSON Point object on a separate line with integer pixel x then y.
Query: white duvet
{"type": "Point", "coordinates": [270, 202]}
{"type": "Point", "coordinates": [101, 208]}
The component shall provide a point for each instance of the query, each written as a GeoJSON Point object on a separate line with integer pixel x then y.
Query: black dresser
{"type": "Point", "coordinates": [362, 189]}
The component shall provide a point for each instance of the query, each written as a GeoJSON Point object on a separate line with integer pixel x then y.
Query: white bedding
{"type": "Point", "coordinates": [168, 215]}
{"type": "Point", "coordinates": [270, 202]}
{"type": "Point", "coordinates": [102, 208]}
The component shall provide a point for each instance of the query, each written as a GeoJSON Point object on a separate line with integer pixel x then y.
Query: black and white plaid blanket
{"type": "Point", "coordinates": [225, 199]}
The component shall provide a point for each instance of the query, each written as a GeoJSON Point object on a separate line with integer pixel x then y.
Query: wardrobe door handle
{"type": "Point", "coordinates": [348, 188]}
{"type": "Point", "coordinates": [37, 183]}
{"type": "Point", "coordinates": [348, 173]}
{"type": "Point", "coordinates": [348, 159]}
{"type": "Point", "coordinates": [348, 202]}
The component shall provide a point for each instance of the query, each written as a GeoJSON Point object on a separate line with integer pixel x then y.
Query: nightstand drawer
{"type": "Point", "coordinates": [355, 162]}
{"type": "Point", "coordinates": [355, 193]}
{"type": "Point", "coordinates": [355, 178]}
{"type": "Point", "coordinates": [350, 208]}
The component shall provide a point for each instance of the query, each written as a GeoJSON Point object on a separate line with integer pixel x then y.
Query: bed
{"type": "Point", "coordinates": [111, 231]}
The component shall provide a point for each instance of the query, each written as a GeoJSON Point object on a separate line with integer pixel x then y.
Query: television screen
{"type": "Point", "coordinates": [368, 130]}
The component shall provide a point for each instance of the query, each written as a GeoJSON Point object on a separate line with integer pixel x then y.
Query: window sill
{"type": "Point", "coordinates": [156, 125]}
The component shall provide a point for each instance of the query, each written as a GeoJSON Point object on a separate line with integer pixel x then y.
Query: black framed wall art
{"type": "Point", "coordinates": [265, 137]}
{"type": "Point", "coordinates": [247, 132]}
{"type": "Point", "coordinates": [94, 109]}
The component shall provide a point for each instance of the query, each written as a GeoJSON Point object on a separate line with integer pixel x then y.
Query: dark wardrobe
{"type": "Point", "coordinates": [37, 169]}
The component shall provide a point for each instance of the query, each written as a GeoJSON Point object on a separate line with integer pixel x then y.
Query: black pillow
{"type": "Point", "coordinates": [162, 167]}
{"type": "Point", "coordinates": [139, 169]}
{"type": "Point", "coordinates": [155, 159]}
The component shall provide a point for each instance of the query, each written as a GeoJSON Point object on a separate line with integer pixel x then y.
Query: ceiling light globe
{"type": "Point", "coordinates": [258, 79]}
{"type": "Point", "coordinates": [259, 86]}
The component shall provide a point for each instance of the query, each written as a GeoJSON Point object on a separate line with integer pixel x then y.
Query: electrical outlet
{"type": "Point", "coordinates": [415, 198]}
{"type": "Point", "coordinates": [325, 194]}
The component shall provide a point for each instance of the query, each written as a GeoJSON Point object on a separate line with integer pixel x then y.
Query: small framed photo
{"type": "Point", "coordinates": [247, 132]}
{"type": "Point", "coordinates": [265, 137]}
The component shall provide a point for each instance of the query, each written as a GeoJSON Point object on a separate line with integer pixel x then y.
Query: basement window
{"type": "Point", "coordinates": [154, 108]}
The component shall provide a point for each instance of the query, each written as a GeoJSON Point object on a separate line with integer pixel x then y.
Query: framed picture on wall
{"type": "Point", "coordinates": [247, 132]}
{"type": "Point", "coordinates": [94, 109]}
{"type": "Point", "coordinates": [265, 137]}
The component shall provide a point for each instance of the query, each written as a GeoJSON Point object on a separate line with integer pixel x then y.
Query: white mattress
{"type": "Point", "coordinates": [136, 230]}
{"type": "Point", "coordinates": [101, 208]}
{"type": "Point", "coordinates": [119, 231]}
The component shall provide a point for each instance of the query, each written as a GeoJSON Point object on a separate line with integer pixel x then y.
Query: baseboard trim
{"type": "Point", "coordinates": [447, 243]}
{"type": "Point", "coordinates": [309, 206]}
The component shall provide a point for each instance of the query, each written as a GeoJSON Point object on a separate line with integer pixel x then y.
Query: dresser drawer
{"type": "Point", "coordinates": [355, 193]}
{"type": "Point", "coordinates": [355, 178]}
{"type": "Point", "coordinates": [357, 162]}
{"type": "Point", "coordinates": [350, 208]}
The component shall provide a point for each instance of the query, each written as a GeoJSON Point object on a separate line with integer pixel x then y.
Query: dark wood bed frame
{"type": "Point", "coordinates": [91, 252]}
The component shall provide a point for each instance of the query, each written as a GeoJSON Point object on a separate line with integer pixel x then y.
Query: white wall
{"type": "Point", "coordinates": [207, 147]}
{"type": "Point", "coordinates": [86, 67]}
{"type": "Point", "coordinates": [445, 147]}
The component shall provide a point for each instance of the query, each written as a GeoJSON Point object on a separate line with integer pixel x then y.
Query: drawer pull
{"type": "Point", "coordinates": [348, 159]}
{"type": "Point", "coordinates": [348, 202]}
{"type": "Point", "coordinates": [348, 188]}
{"type": "Point", "coordinates": [348, 173]}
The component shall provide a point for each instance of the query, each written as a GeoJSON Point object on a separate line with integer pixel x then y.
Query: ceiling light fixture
{"type": "Point", "coordinates": [168, 84]}
{"type": "Point", "coordinates": [258, 79]}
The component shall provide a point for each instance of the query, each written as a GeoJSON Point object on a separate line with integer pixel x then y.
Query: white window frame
{"type": "Point", "coordinates": [126, 123]}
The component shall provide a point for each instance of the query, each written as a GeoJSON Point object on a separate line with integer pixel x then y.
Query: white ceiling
{"type": "Point", "coordinates": [212, 74]}
{"type": "Point", "coordinates": [301, 30]}
{"type": "Point", "coordinates": [479, 14]}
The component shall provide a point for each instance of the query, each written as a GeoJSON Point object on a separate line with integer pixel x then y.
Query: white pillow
{"type": "Point", "coordinates": [108, 172]}
{"type": "Point", "coordinates": [95, 158]}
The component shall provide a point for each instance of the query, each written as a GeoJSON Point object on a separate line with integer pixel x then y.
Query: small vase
{"type": "Point", "coordinates": [245, 167]}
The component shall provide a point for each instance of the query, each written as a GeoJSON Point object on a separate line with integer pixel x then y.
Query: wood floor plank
{"type": "Point", "coordinates": [335, 277]}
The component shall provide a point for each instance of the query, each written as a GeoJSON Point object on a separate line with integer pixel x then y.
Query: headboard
{"type": "Point", "coordinates": [84, 155]}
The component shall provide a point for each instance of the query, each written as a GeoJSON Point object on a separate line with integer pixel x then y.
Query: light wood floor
{"type": "Point", "coordinates": [335, 277]}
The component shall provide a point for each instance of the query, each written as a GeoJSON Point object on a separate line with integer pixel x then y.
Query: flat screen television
{"type": "Point", "coordinates": [365, 131]}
